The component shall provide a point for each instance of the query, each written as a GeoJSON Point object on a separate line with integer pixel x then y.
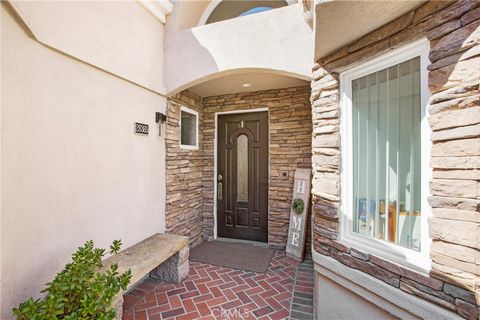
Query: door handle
{"type": "Point", "coordinates": [219, 187]}
{"type": "Point", "coordinates": [219, 191]}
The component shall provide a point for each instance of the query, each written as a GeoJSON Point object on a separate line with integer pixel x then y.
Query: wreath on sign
{"type": "Point", "coordinates": [298, 205]}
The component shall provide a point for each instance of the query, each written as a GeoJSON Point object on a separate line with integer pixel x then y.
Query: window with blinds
{"type": "Point", "coordinates": [386, 133]}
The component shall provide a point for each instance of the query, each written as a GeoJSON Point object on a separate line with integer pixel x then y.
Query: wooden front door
{"type": "Point", "coordinates": [242, 176]}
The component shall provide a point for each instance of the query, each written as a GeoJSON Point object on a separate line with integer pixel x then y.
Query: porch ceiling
{"type": "Point", "coordinates": [338, 23]}
{"type": "Point", "coordinates": [233, 83]}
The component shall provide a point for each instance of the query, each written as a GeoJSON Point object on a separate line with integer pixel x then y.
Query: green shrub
{"type": "Point", "coordinates": [80, 291]}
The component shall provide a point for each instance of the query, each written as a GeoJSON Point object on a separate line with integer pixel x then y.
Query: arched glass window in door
{"type": "Point", "coordinates": [242, 168]}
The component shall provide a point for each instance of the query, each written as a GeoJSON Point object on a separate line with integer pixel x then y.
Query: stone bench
{"type": "Point", "coordinates": [162, 256]}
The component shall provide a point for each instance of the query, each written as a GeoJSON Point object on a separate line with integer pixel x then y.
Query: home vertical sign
{"type": "Point", "coordinates": [298, 214]}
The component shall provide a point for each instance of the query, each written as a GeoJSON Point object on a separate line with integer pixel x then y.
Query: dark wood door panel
{"type": "Point", "coordinates": [242, 151]}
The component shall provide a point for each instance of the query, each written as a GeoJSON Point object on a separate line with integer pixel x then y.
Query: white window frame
{"type": "Point", "coordinates": [418, 260]}
{"type": "Point", "coordinates": [195, 113]}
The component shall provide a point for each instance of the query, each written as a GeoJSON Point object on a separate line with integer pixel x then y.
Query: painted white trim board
{"type": "Point", "coordinates": [159, 9]}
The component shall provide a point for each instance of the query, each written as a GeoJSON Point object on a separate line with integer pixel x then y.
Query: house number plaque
{"type": "Point", "coordinates": [298, 214]}
{"type": "Point", "coordinates": [141, 129]}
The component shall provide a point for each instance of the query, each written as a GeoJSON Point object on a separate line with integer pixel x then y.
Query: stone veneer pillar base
{"type": "Point", "coordinates": [366, 295]}
{"type": "Point", "coordinates": [175, 269]}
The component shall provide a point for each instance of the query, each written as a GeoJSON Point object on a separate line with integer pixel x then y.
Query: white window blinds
{"type": "Point", "coordinates": [387, 154]}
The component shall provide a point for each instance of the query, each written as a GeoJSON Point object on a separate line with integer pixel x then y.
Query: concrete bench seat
{"type": "Point", "coordinates": [162, 256]}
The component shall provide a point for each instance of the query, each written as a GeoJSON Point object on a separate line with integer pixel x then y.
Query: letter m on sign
{"type": "Point", "coordinates": [297, 223]}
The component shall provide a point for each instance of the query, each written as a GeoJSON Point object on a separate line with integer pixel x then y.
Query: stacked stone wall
{"type": "Point", "coordinates": [190, 173]}
{"type": "Point", "coordinates": [184, 199]}
{"type": "Point", "coordinates": [452, 28]}
{"type": "Point", "coordinates": [290, 129]}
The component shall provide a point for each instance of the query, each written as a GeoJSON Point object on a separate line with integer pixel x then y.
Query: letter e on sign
{"type": "Point", "coordinates": [295, 237]}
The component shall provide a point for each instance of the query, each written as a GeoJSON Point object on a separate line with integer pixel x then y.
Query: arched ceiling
{"type": "Point", "coordinates": [247, 81]}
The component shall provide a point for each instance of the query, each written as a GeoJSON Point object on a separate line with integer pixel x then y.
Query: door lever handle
{"type": "Point", "coordinates": [219, 191]}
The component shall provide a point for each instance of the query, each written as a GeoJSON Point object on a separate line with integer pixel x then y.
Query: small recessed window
{"type": "Point", "coordinates": [189, 128]}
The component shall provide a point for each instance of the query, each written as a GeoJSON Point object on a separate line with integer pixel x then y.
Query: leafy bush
{"type": "Point", "coordinates": [80, 291]}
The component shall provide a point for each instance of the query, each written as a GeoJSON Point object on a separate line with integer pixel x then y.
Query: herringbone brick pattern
{"type": "Point", "coordinates": [214, 292]}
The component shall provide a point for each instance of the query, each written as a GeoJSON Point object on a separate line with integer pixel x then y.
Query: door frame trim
{"type": "Point", "coordinates": [215, 145]}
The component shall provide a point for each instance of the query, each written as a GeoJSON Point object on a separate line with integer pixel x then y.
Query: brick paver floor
{"type": "Point", "coordinates": [213, 292]}
{"type": "Point", "coordinates": [302, 302]}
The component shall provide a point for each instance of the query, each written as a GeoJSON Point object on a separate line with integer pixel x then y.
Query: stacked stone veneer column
{"type": "Point", "coordinates": [190, 173]}
{"type": "Point", "coordinates": [184, 198]}
{"type": "Point", "coordinates": [290, 129]}
{"type": "Point", "coordinates": [454, 77]}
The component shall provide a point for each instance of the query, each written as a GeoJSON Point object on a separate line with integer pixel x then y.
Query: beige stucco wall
{"type": "Point", "coordinates": [71, 167]}
{"type": "Point", "coordinates": [120, 37]}
{"type": "Point", "coordinates": [276, 41]}
{"type": "Point", "coordinates": [187, 14]}
{"type": "Point", "coordinates": [328, 293]}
